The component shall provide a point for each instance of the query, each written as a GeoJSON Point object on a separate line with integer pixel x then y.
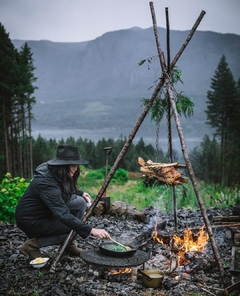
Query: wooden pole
{"type": "Point", "coordinates": [184, 149]}
{"type": "Point", "coordinates": [131, 136]}
{"type": "Point", "coordinates": [170, 148]}
{"type": "Point", "coordinates": [194, 183]}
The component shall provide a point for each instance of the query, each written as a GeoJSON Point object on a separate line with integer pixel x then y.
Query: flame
{"type": "Point", "coordinates": [124, 270]}
{"type": "Point", "coordinates": [188, 243]}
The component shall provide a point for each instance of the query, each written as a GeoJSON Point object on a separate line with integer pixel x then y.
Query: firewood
{"type": "Point", "coordinates": [166, 173]}
{"type": "Point", "coordinates": [226, 219]}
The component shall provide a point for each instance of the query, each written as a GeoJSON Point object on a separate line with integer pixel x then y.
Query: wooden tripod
{"type": "Point", "coordinates": [163, 80]}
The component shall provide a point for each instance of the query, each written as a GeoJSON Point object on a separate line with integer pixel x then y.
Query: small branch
{"type": "Point", "coordinates": [189, 37]}
{"type": "Point", "coordinates": [206, 290]}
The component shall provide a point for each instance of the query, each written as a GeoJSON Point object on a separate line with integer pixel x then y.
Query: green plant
{"type": "Point", "coordinates": [121, 175]}
{"type": "Point", "coordinates": [11, 189]}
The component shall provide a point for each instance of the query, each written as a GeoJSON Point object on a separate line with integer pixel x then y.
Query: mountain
{"type": "Point", "coordinates": [97, 84]}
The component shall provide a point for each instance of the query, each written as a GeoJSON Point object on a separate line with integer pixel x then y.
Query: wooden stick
{"type": "Point", "coordinates": [226, 219]}
{"type": "Point", "coordinates": [226, 225]}
{"type": "Point", "coordinates": [194, 183]}
{"type": "Point", "coordinates": [206, 290]}
{"type": "Point", "coordinates": [72, 234]}
{"type": "Point", "coordinates": [232, 288]}
{"type": "Point", "coordinates": [125, 247]}
{"type": "Point", "coordinates": [185, 154]}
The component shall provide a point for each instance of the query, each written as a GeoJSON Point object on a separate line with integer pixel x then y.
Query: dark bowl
{"type": "Point", "coordinates": [111, 249]}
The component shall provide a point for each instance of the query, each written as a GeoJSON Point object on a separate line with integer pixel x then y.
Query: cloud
{"type": "Point", "coordinates": [81, 20]}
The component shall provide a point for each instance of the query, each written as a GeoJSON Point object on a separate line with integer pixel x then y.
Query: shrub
{"type": "Point", "coordinates": [11, 189]}
{"type": "Point", "coordinates": [95, 175]}
{"type": "Point", "coordinates": [121, 175]}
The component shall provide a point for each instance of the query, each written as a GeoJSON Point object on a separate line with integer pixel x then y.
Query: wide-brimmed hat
{"type": "Point", "coordinates": [67, 154]}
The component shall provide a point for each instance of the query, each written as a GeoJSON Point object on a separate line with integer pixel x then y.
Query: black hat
{"type": "Point", "coordinates": [67, 154]}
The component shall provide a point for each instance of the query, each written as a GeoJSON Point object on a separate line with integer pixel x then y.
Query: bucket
{"type": "Point", "coordinates": [153, 279]}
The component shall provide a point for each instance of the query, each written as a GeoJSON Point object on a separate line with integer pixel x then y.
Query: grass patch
{"type": "Point", "coordinates": [131, 190]}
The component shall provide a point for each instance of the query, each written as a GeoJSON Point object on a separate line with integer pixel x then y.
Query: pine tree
{"type": "Point", "coordinates": [221, 107]}
{"type": "Point", "coordinates": [16, 90]}
{"type": "Point", "coordinates": [26, 102]}
{"type": "Point", "coordinates": [8, 77]}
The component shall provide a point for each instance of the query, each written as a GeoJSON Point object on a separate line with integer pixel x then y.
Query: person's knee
{"type": "Point", "coordinates": [81, 202]}
{"type": "Point", "coordinates": [77, 205]}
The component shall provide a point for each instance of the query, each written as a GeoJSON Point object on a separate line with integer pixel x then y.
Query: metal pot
{"type": "Point", "coordinates": [152, 278]}
{"type": "Point", "coordinates": [107, 248]}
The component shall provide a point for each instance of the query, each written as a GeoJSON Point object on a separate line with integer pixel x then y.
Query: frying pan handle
{"type": "Point", "coordinates": [144, 274]}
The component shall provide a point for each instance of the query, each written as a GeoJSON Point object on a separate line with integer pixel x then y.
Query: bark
{"type": "Point", "coordinates": [168, 40]}
{"type": "Point", "coordinates": [7, 166]}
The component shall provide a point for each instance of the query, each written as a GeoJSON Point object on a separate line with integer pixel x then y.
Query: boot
{"type": "Point", "coordinates": [73, 250]}
{"type": "Point", "coordinates": [31, 248]}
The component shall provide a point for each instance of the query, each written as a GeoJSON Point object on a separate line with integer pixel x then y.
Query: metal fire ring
{"type": "Point", "coordinates": [95, 257]}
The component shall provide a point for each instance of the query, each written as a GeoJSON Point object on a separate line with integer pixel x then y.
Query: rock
{"type": "Point", "coordinates": [118, 208]}
{"type": "Point", "coordinates": [69, 278]}
{"type": "Point", "coordinates": [99, 209]}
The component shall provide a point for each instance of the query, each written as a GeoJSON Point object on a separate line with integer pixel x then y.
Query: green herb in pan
{"type": "Point", "coordinates": [115, 248]}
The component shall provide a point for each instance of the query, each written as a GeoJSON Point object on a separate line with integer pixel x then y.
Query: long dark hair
{"type": "Point", "coordinates": [69, 184]}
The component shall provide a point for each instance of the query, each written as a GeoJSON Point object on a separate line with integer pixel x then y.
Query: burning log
{"type": "Point", "coordinates": [119, 275]}
{"type": "Point", "coordinates": [163, 172]}
{"type": "Point", "coordinates": [186, 247]}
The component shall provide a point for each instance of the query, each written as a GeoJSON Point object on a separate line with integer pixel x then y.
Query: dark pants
{"type": "Point", "coordinates": [52, 231]}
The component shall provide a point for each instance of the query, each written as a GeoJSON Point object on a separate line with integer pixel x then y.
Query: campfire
{"type": "Point", "coordinates": [121, 270]}
{"type": "Point", "coordinates": [119, 274]}
{"type": "Point", "coordinates": [182, 246]}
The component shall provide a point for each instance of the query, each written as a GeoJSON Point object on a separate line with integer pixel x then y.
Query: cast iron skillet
{"type": "Point", "coordinates": [112, 249]}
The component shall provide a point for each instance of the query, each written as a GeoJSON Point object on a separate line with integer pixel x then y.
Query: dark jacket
{"type": "Point", "coordinates": [43, 200]}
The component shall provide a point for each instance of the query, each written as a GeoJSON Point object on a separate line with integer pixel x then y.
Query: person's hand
{"type": "Point", "coordinates": [101, 233]}
{"type": "Point", "coordinates": [87, 197]}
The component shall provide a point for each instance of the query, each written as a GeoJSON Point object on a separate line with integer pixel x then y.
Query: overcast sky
{"type": "Point", "coordinates": [82, 20]}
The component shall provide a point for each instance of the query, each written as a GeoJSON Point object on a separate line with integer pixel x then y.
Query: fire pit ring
{"type": "Point", "coordinates": [95, 257]}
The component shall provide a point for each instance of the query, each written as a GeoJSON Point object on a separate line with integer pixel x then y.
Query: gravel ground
{"type": "Point", "coordinates": [18, 277]}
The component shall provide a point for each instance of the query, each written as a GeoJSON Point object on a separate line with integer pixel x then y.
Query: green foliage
{"type": "Point", "coordinates": [17, 81]}
{"type": "Point", "coordinates": [176, 75]}
{"type": "Point", "coordinates": [44, 149]}
{"type": "Point", "coordinates": [94, 179]}
{"type": "Point", "coordinates": [220, 196]}
{"type": "Point", "coordinates": [11, 189]}
{"type": "Point", "coordinates": [223, 115]}
{"type": "Point", "coordinates": [120, 175]}
{"type": "Point", "coordinates": [96, 175]}
{"type": "Point", "coordinates": [161, 197]}
{"type": "Point", "coordinates": [148, 60]}
{"type": "Point", "coordinates": [184, 105]}
{"type": "Point", "coordinates": [160, 106]}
